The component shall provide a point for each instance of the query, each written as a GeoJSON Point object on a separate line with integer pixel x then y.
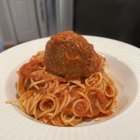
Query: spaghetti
{"type": "Point", "coordinates": [60, 102]}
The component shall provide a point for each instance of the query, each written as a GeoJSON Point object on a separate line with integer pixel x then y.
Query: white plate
{"type": "Point", "coordinates": [123, 62]}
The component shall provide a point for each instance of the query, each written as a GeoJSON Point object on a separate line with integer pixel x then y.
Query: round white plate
{"type": "Point", "coordinates": [123, 63]}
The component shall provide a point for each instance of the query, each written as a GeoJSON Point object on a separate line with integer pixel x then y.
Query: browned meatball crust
{"type": "Point", "coordinates": [69, 55]}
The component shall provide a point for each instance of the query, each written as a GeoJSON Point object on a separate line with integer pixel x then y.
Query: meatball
{"type": "Point", "coordinates": [69, 55]}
